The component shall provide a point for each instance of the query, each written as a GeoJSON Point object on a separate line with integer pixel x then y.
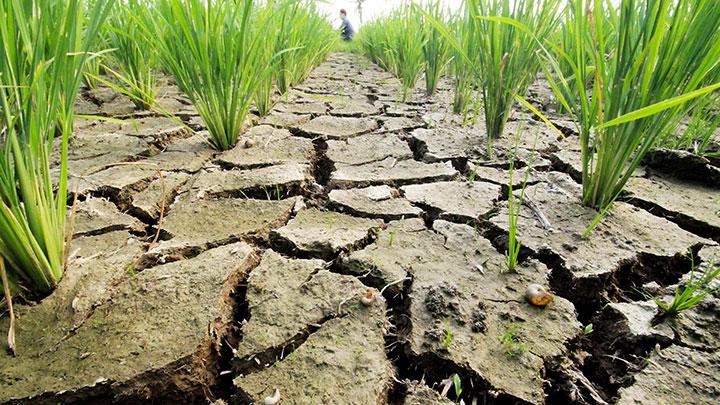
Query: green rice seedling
{"type": "Point", "coordinates": [692, 293]}
{"type": "Point", "coordinates": [457, 384]}
{"type": "Point", "coordinates": [134, 56]}
{"type": "Point", "coordinates": [297, 38]}
{"type": "Point", "coordinates": [566, 41]}
{"type": "Point", "coordinates": [436, 49]}
{"type": "Point", "coordinates": [501, 55]}
{"type": "Point", "coordinates": [214, 56]}
{"type": "Point", "coordinates": [447, 339]}
{"type": "Point", "coordinates": [514, 206]}
{"type": "Point", "coordinates": [642, 85]}
{"type": "Point", "coordinates": [45, 44]}
{"type": "Point", "coordinates": [372, 40]}
{"type": "Point", "coordinates": [406, 51]}
{"type": "Point", "coordinates": [512, 342]}
{"type": "Point", "coordinates": [273, 32]}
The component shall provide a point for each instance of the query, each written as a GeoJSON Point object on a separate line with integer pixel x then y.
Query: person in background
{"type": "Point", "coordinates": [346, 30]}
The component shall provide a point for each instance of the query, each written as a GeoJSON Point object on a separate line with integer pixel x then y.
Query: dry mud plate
{"type": "Point", "coordinates": [350, 250]}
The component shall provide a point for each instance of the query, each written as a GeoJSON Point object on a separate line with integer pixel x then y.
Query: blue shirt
{"type": "Point", "coordinates": [346, 29]}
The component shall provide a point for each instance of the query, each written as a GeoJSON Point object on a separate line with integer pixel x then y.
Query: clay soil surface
{"type": "Point", "coordinates": [350, 250]}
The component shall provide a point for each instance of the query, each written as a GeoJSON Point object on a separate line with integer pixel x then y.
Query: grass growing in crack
{"type": "Point", "coordinates": [457, 385]}
{"type": "Point", "coordinates": [215, 57]}
{"type": "Point", "coordinates": [447, 339]}
{"type": "Point", "coordinates": [692, 293]}
{"type": "Point", "coordinates": [512, 342]}
{"type": "Point", "coordinates": [132, 54]}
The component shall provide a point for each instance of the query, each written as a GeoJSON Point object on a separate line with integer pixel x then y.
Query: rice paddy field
{"type": "Point", "coordinates": [220, 202]}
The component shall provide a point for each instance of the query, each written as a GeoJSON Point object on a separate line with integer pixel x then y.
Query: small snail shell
{"type": "Point", "coordinates": [249, 143]}
{"type": "Point", "coordinates": [368, 297]}
{"type": "Point", "coordinates": [273, 399]}
{"type": "Point", "coordinates": [538, 295]}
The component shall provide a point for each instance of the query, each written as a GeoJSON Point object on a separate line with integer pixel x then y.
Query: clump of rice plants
{"type": "Point", "coordinates": [45, 44]}
{"type": "Point", "coordinates": [462, 69]}
{"type": "Point", "coordinates": [566, 41]}
{"type": "Point", "coordinates": [91, 72]}
{"type": "Point", "coordinates": [506, 54]}
{"type": "Point", "coordinates": [215, 58]}
{"type": "Point", "coordinates": [436, 49]}
{"type": "Point", "coordinates": [264, 91]}
{"type": "Point", "coordinates": [298, 38]}
{"type": "Point", "coordinates": [396, 42]}
{"type": "Point", "coordinates": [134, 56]}
{"type": "Point", "coordinates": [502, 55]}
{"type": "Point", "coordinates": [306, 41]}
{"type": "Point", "coordinates": [93, 64]}
{"type": "Point", "coordinates": [643, 83]}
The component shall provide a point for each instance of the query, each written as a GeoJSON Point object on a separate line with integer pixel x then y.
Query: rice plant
{"type": "Point", "coordinates": [307, 38]}
{"type": "Point", "coordinates": [463, 74]}
{"type": "Point", "coordinates": [132, 54]}
{"type": "Point", "coordinates": [642, 85]}
{"type": "Point", "coordinates": [396, 43]}
{"type": "Point", "coordinates": [45, 44]}
{"type": "Point", "coordinates": [514, 205]}
{"type": "Point", "coordinates": [697, 288]}
{"type": "Point", "coordinates": [214, 56]}
{"type": "Point", "coordinates": [297, 39]}
{"type": "Point", "coordinates": [506, 55]}
{"type": "Point", "coordinates": [93, 64]}
{"type": "Point", "coordinates": [91, 72]}
{"type": "Point", "coordinates": [566, 42]}
{"type": "Point", "coordinates": [513, 249]}
{"type": "Point", "coordinates": [265, 88]}
{"type": "Point", "coordinates": [436, 49]}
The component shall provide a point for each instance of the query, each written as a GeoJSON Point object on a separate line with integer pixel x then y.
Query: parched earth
{"type": "Point", "coordinates": [350, 250]}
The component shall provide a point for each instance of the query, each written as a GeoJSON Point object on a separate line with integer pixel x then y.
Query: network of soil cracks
{"type": "Point", "coordinates": [350, 251]}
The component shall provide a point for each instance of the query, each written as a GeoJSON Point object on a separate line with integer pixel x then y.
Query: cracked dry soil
{"type": "Point", "coordinates": [344, 256]}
